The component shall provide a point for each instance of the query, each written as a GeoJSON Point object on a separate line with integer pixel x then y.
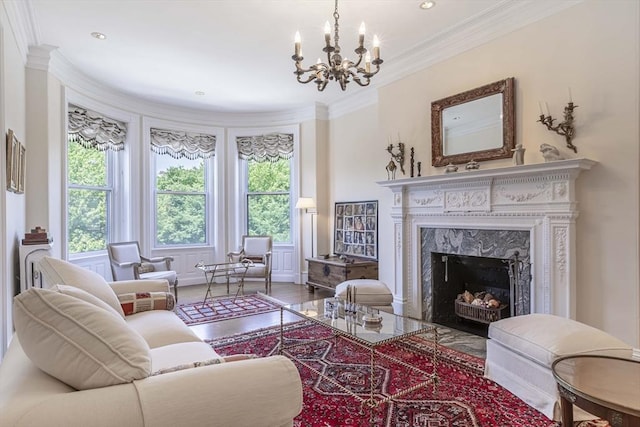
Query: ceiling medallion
{"type": "Point", "coordinates": [338, 68]}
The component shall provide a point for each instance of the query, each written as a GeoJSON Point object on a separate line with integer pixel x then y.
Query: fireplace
{"type": "Point", "coordinates": [469, 292]}
{"type": "Point", "coordinates": [493, 213]}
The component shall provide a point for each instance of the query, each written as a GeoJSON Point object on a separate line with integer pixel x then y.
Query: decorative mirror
{"type": "Point", "coordinates": [475, 125]}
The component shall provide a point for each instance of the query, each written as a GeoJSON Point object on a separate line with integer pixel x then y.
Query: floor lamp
{"type": "Point", "coordinates": [309, 206]}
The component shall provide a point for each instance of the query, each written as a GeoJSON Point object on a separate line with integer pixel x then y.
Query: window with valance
{"type": "Point", "coordinates": [265, 148]}
{"type": "Point", "coordinates": [268, 165]}
{"type": "Point", "coordinates": [95, 130]}
{"type": "Point", "coordinates": [180, 144]}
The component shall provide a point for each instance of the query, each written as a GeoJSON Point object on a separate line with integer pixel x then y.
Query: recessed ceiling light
{"type": "Point", "coordinates": [199, 93]}
{"type": "Point", "coordinates": [98, 35]}
{"type": "Point", "coordinates": [427, 4]}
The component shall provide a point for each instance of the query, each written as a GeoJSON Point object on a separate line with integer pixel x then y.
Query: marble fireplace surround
{"type": "Point", "coordinates": [538, 198]}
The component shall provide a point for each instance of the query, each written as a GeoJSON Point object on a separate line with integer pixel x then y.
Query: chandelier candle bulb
{"type": "Point", "coordinates": [297, 43]}
{"type": "Point", "coordinates": [367, 63]}
{"type": "Point", "coordinates": [361, 35]}
{"type": "Point", "coordinates": [376, 47]}
{"type": "Point", "coordinates": [327, 33]}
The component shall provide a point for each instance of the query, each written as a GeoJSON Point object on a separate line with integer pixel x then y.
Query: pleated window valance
{"type": "Point", "coordinates": [265, 148]}
{"type": "Point", "coordinates": [180, 144]}
{"type": "Point", "coordinates": [94, 130]}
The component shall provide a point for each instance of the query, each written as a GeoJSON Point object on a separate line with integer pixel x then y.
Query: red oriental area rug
{"type": "Point", "coordinates": [463, 397]}
{"type": "Point", "coordinates": [224, 308]}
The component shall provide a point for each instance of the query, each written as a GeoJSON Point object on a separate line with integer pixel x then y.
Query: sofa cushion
{"type": "Point", "coordinates": [367, 291]}
{"type": "Point", "coordinates": [85, 296]}
{"type": "Point", "coordinates": [77, 342]}
{"type": "Point", "coordinates": [57, 271]}
{"type": "Point", "coordinates": [172, 355]}
{"type": "Point", "coordinates": [137, 302]}
{"type": "Point", "coordinates": [544, 337]}
{"type": "Point", "coordinates": [160, 327]}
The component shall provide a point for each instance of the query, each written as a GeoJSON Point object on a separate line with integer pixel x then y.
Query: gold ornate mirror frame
{"type": "Point", "coordinates": [504, 87]}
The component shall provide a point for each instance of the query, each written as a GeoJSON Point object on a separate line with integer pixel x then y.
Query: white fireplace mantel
{"type": "Point", "coordinates": [539, 198]}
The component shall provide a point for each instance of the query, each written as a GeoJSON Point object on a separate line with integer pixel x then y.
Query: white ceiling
{"type": "Point", "coordinates": [238, 52]}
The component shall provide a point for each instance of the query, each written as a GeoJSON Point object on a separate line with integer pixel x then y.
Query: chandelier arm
{"type": "Point", "coordinates": [308, 80]}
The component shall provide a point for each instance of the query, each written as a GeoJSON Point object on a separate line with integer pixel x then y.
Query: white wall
{"type": "Point", "coordinates": [594, 49]}
{"type": "Point", "coordinates": [12, 116]}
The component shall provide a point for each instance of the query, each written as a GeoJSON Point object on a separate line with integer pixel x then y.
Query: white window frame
{"type": "Point", "coordinates": [238, 219]}
{"type": "Point", "coordinates": [213, 182]}
{"type": "Point", "coordinates": [120, 173]}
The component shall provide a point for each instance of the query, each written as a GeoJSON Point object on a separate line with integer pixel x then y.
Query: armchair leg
{"type": "Point", "coordinates": [175, 290]}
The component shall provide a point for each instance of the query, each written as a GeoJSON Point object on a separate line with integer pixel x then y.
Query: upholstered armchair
{"type": "Point", "coordinates": [257, 249]}
{"type": "Point", "coordinates": [127, 264]}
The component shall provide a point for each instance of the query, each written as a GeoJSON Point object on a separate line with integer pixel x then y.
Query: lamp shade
{"type": "Point", "coordinates": [305, 203]}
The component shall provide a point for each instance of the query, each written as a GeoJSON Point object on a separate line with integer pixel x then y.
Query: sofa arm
{"type": "Point", "coordinates": [133, 286]}
{"type": "Point", "coordinates": [255, 392]}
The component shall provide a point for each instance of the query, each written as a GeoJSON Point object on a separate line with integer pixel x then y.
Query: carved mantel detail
{"type": "Point", "coordinates": [538, 198]}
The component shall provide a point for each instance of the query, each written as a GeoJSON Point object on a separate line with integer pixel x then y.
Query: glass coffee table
{"type": "Point", "coordinates": [605, 386]}
{"type": "Point", "coordinates": [349, 322]}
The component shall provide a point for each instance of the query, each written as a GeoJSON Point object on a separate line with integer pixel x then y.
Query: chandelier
{"type": "Point", "coordinates": [338, 68]}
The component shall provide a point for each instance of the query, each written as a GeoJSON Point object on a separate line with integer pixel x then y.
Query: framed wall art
{"type": "Point", "coordinates": [356, 229]}
{"type": "Point", "coordinates": [13, 151]}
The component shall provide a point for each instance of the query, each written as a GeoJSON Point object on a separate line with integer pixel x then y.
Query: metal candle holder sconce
{"type": "Point", "coordinates": [564, 128]}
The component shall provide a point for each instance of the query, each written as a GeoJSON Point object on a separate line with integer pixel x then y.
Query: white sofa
{"type": "Point", "coordinates": [144, 369]}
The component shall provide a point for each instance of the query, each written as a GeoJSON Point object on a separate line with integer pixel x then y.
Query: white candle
{"type": "Point", "coordinates": [361, 35]}
{"type": "Point", "coordinates": [546, 106]}
{"type": "Point", "coordinates": [540, 107]}
{"type": "Point", "coordinates": [367, 63]}
{"type": "Point", "coordinates": [570, 98]}
{"type": "Point", "coordinates": [376, 47]}
{"type": "Point", "coordinates": [327, 33]}
{"type": "Point", "coordinates": [297, 43]}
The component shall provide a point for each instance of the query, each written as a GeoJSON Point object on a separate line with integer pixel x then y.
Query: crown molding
{"type": "Point", "coordinates": [504, 18]}
{"type": "Point", "coordinates": [358, 100]}
{"type": "Point", "coordinates": [47, 58]}
{"type": "Point", "coordinates": [22, 21]}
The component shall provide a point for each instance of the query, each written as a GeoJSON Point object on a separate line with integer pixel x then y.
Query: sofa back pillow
{"type": "Point", "coordinates": [77, 342]}
{"type": "Point", "coordinates": [57, 271]}
{"type": "Point", "coordinates": [84, 296]}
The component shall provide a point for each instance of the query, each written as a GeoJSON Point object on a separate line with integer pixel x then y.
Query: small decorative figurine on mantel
{"type": "Point", "coordinates": [391, 170]}
{"type": "Point", "coordinates": [450, 168]}
{"type": "Point", "coordinates": [518, 155]}
{"type": "Point", "coordinates": [550, 153]}
{"type": "Point", "coordinates": [399, 155]}
{"type": "Point", "coordinates": [472, 165]}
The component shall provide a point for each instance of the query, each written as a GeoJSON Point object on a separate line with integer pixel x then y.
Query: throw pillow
{"type": "Point", "coordinates": [57, 271]}
{"type": "Point", "coordinates": [77, 342]}
{"type": "Point", "coordinates": [145, 301]}
{"type": "Point", "coordinates": [85, 296]}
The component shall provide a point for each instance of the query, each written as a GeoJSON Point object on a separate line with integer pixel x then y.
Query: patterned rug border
{"type": "Point", "coordinates": [271, 305]}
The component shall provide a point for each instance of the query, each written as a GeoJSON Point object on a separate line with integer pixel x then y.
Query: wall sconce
{"type": "Point", "coordinates": [309, 206]}
{"type": "Point", "coordinates": [564, 128]}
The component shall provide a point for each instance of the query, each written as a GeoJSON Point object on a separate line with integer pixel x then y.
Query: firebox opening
{"type": "Point", "coordinates": [452, 275]}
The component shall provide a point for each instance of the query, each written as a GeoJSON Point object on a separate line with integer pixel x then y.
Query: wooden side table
{"type": "Point", "coordinates": [606, 386]}
{"type": "Point", "coordinates": [330, 272]}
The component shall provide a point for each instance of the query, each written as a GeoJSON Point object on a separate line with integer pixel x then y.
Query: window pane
{"type": "Point", "coordinates": [180, 219]}
{"type": "Point", "coordinates": [268, 176]}
{"type": "Point", "coordinates": [87, 166]}
{"type": "Point", "coordinates": [87, 216]}
{"type": "Point", "coordinates": [179, 174]}
{"type": "Point", "coordinates": [269, 215]}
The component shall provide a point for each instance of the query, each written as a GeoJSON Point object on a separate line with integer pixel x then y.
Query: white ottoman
{"type": "Point", "coordinates": [521, 349]}
{"type": "Point", "coordinates": [369, 292]}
